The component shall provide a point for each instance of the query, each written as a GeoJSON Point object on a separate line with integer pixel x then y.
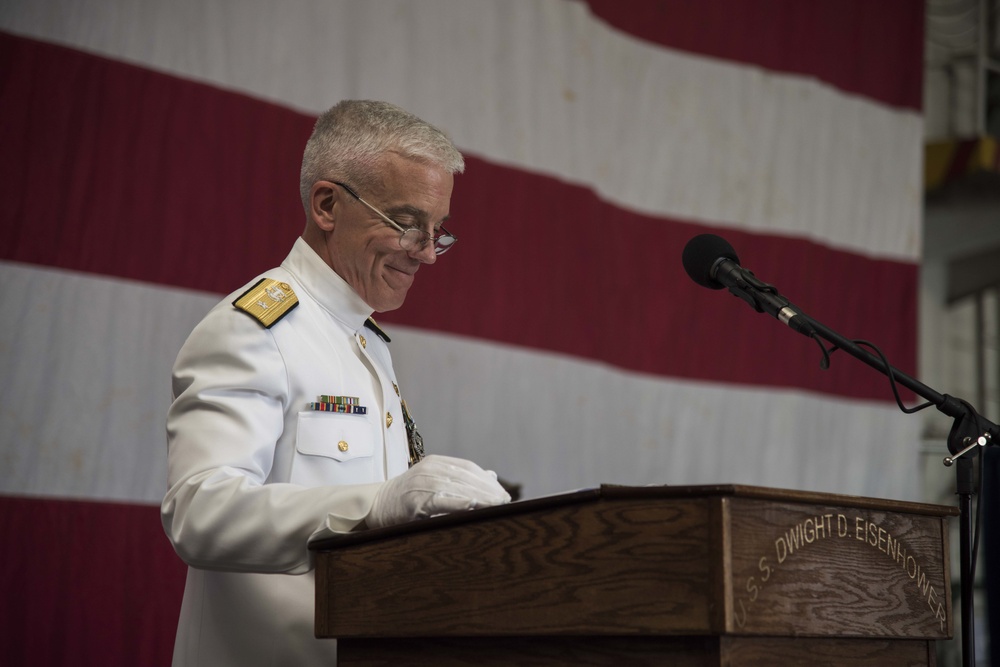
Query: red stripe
{"type": "Point", "coordinates": [101, 577]}
{"type": "Point", "coordinates": [125, 172]}
{"type": "Point", "coordinates": [121, 171]}
{"type": "Point", "coordinates": [561, 270]}
{"type": "Point", "coordinates": [871, 48]}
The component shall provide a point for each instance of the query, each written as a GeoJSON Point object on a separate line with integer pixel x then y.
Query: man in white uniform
{"type": "Point", "coordinates": [287, 422]}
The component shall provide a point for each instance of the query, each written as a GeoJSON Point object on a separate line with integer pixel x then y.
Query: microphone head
{"type": "Point", "coordinates": [700, 256]}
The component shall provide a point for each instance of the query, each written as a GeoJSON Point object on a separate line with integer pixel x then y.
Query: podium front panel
{"type": "Point", "coordinates": [619, 567]}
{"type": "Point", "coordinates": [805, 569]}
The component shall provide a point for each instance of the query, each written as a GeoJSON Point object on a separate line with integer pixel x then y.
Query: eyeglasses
{"type": "Point", "coordinates": [411, 239]}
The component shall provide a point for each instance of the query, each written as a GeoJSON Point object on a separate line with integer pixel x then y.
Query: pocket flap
{"type": "Point", "coordinates": [336, 436]}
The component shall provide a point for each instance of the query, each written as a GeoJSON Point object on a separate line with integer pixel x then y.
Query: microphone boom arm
{"type": "Point", "coordinates": [949, 405]}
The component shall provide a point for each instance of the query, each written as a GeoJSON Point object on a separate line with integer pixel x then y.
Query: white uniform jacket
{"type": "Point", "coordinates": [254, 473]}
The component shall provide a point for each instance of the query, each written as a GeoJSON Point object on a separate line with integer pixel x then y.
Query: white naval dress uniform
{"type": "Point", "coordinates": [254, 474]}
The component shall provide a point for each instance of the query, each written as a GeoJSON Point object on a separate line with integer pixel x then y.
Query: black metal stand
{"type": "Point", "coordinates": [965, 488]}
{"type": "Point", "coordinates": [970, 432]}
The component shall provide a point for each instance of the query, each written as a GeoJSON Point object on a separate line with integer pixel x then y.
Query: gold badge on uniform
{"type": "Point", "coordinates": [413, 438]}
{"type": "Point", "coordinates": [267, 301]}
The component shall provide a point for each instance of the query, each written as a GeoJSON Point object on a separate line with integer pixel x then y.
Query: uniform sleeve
{"type": "Point", "coordinates": [231, 390]}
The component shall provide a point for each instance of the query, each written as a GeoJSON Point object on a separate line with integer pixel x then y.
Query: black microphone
{"type": "Point", "coordinates": [712, 262]}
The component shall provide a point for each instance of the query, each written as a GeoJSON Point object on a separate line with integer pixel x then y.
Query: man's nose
{"type": "Point", "coordinates": [426, 254]}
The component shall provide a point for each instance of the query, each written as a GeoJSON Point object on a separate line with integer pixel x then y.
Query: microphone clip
{"type": "Point", "coordinates": [762, 297]}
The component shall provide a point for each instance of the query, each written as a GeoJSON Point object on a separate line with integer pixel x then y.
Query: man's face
{"type": "Point", "coordinates": [364, 250]}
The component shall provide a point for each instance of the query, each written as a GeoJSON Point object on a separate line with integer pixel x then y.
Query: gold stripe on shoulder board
{"type": "Point", "coordinates": [267, 301]}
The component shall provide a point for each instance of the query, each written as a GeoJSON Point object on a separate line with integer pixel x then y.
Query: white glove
{"type": "Point", "coordinates": [435, 485]}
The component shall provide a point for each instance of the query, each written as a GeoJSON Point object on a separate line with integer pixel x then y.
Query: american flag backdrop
{"type": "Point", "coordinates": [149, 158]}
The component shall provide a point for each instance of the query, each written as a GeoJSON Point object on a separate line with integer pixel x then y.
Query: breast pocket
{"type": "Point", "coordinates": [332, 448]}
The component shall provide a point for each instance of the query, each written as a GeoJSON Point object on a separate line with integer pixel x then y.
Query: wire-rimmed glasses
{"type": "Point", "coordinates": [412, 239]}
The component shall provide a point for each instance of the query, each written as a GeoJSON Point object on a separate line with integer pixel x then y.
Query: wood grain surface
{"type": "Point", "coordinates": [624, 567]}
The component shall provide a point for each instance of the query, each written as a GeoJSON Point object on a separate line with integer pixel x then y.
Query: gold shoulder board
{"type": "Point", "coordinates": [267, 301]}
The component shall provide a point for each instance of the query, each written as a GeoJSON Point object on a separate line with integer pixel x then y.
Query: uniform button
{"type": "Point", "coordinates": [364, 343]}
{"type": "Point", "coordinates": [343, 446]}
{"type": "Point", "coordinates": [388, 419]}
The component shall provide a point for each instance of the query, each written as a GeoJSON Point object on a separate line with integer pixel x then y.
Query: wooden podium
{"type": "Point", "coordinates": [697, 575]}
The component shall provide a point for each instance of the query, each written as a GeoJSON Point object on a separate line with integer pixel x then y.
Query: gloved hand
{"type": "Point", "coordinates": [435, 485]}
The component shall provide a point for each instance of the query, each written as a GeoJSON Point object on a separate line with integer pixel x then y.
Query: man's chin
{"type": "Point", "coordinates": [388, 302]}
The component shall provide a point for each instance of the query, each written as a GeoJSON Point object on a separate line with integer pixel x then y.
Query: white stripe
{"type": "Point", "coordinates": [556, 423]}
{"type": "Point", "coordinates": [86, 384]}
{"type": "Point", "coordinates": [90, 424]}
{"type": "Point", "coordinates": [545, 86]}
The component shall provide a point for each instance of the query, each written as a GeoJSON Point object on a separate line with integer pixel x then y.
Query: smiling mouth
{"type": "Point", "coordinates": [407, 272]}
{"type": "Point", "coordinates": [400, 276]}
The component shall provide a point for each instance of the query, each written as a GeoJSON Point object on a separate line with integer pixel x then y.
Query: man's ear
{"type": "Point", "coordinates": [323, 205]}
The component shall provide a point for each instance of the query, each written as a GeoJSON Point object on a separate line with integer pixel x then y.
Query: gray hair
{"type": "Point", "coordinates": [350, 139]}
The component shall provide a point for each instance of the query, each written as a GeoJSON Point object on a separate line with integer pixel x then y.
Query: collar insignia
{"type": "Point", "coordinates": [370, 323]}
{"type": "Point", "coordinates": [267, 301]}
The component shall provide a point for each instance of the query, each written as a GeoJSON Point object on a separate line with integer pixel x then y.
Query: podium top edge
{"type": "Point", "coordinates": [779, 495]}
{"type": "Point", "coordinates": [621, 492]}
